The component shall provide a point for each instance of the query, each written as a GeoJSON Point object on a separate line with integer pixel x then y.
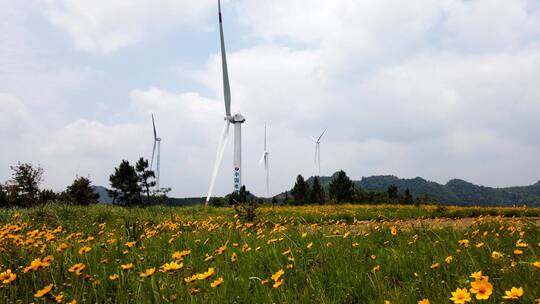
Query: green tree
{"type": "Point", "coordinates": [316, 195]}
{"type": "Point", "coordinates": [274, 201]}
{"type": "Point", "coordinates": [300, 191]}
{"type": "Point", "coordinates": [392, 192]}
{"type": "Point", "coordinates": [146, 177]}
{"type": "Point", "coordinates": [408, 198]}
{"type": "Point", "coordinates": [125, 188]}
{"type": "Point", "coordinates": [244, 204]}
{"type": "Point", "coordinates": [80, 192]}
{"type": "Point", "coordinates": [3, 196]}
{"type": "Point", "coordinates": [47, 195]}
{"type": "Point", "coordinates": [341, 188]}
{"type": "Point", "coordinates": [23, 188]}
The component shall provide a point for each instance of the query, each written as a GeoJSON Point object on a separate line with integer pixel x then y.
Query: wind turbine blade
{"type": "Point", "coordinates": [219, 156]}
{"type": "Point", "coordinates": [154, 125]}
{"type": "Point", "coordinates": [153, 152]}
{"type": "Point", "coordinates": [322, 134]}
{"type": "Point", "coordinates": [265, 137]}
{"type": "Point", "coordinates": [263, 157]}
{"type": "Point", "coordinates": [226, 87]}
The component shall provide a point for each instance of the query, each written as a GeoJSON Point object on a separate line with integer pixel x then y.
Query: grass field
{"type": "Point", "coordinates": [312, 254]}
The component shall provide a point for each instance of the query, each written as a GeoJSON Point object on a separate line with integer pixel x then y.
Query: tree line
{"type": "Point", "coordinates": [130, 185]}
{"type": "Point", "coordinates": [342, 190]}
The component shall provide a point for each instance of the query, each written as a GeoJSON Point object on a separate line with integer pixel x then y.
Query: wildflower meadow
{"type": "Point", "coordinates": [311, 254]}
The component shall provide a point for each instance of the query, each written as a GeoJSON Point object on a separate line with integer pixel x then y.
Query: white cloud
{"type": "Point", "coordinates": [14, 118]}
{"type": "Point", "coordinates": [105, 26]}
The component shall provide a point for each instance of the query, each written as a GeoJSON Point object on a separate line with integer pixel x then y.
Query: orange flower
{"type": "Point", "coordinates": [216, 283]}
{"type": "Point", "coordinates": [44, 291]}
{"type": "Point", "coordinates": [77, 268]}
{"type": "Point", "coordinates": [461, 296]}
{"type": "Point", "coordinates": [148, 272]}
{"type": "Point", "coordinates": [85, 250]}
{"type": "Point", "coordinates": [7, 277]}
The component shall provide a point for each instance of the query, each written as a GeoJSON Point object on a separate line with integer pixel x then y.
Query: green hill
{"type": "Point", "coordinates": [454, 192]}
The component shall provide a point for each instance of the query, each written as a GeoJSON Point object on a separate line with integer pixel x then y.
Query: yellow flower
{"type": "Point", "coordinates": [114, 277]}
{"type": "Point", "coordinates": [304, 234]}
{"type": "Point", "coordinates": [423, 301]}
{"type": "Point", "coordinates": [482, 288]}
{"type": "Point", "coordinates": [286, 252]}
{"type": "Point", "coordinates": [62, 247]}
{"type": "Point", "coordinates": [276, 276]}
{"type": "Point", "coordinates": [536, 264]}
{"type": "Point", "coordinates": [148, 272]}
{"type": "Point", "coordinates": [84, 250]}
{"type": "Point", "coordinates": [309, 245]}
{"type": "Point", "coordinates": [518, 252]}
{"type": "Point", "coordinates": [476, 275]}
{"type": "Point", "coordinates": [179, 255]}
{"type": "Point", "coordinates": [460, 296]}
{"type": "Point", "coordinates": [77, 268]}
{"type": "Point", "coordinates": [7, 277]}
{"type": "Point", "coordinates": [194, 290]}
{"type": "Point", "coordinates": [126, 267]}
{"type": "Point", "coordinates": [449, 259]}
{"type": "Point", "coordinates": [479, 245]}
{"type": "Point", "coordinates": [216, 283]}
{"type": "Point", "coordinates": [130, 244]}
{"type": "Point", "coordinates": [58, 298]}
{"type": "Point", "coordinates": [376, 268]}
{"type": "Point", "coordinates": [278, 283]}
{"type": "Point", "coordinates": [435, 266]}
{"type": "Point", "coordinates": [496, 255]}
{"type": "Point", "coordinates": [172, 266]}
{"type": "Point", "coordinates": [290, 266]}
{"type": "Point", "coordinates": [393, 230]}
{"type": "Point", "coordinates": [464, 243]}
{"type": "Point", "coordinates": [521, 244]}
{"type": "Point", "coordinates": [234, 257]}
{"type": "Point", "coordinates": [514, 293]}
{"type": "Point", "coordinates": [347, 234]}
{"type": "Point", "coordinates": [44, 291]}
{"type": "Point", "coordinates": [205, 275]}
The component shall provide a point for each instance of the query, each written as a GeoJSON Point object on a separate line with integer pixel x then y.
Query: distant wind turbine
{"type": "Point", "coordinates": [317, 160]}
{"type": "Point", "coordinates": [157, 142]}
{"type": "Point", "coordinates": [264, 159]}
{"type": "Point", "coordinates": [236, 120]}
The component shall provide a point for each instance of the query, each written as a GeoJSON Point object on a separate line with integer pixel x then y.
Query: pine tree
{"type": "Point", "coordinates": [80, 192]}
{"type": "Point", "coordinates": [125, 185]}
{"type": "Point", "coordinates": [23, 188]}
{"type": "Point", "coordinates": [341, 188]}
{"type": "Point", "coordinates": [408, 198]}
{"type": "Point", "coordinates": [300, 191]}
{"type": "Point", "coordinates": [145, 177]}
{"type": "Point", "coordinates": [317, 192]}
{"type": "Point", "coordinates": [392, 192]}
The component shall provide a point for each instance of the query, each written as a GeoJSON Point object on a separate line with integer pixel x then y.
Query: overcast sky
{"type": "Point", "coordinates": [434, 88]}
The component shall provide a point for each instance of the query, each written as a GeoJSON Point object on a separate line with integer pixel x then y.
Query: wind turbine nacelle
{"type": "Point", "coordinates": [237, 118]}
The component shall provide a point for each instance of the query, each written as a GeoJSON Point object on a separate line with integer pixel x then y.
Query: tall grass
{"type": "Point", "coordinates": [348, 261]}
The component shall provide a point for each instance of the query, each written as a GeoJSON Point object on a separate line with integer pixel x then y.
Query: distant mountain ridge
{"type": "Point", "coordinates": [454, 192]}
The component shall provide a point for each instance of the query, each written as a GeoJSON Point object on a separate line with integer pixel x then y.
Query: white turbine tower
{"type": "Point", "coordinates": [236, 120]}
{"type": "Point", "coordinates": [264, 159]}
{"type": "Point", "coordinates": [317, 161]}
{"type": "Point", "coordinates": [157, 142]}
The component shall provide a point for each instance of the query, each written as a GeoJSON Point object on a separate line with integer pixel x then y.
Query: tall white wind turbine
{"type": "Point", "coordinates": [264, 159]}
{"type": "Point", "coordinates": [157, 142]}
{"type": "Point", "coordinates": [317, 160]}
{"type": "Point", "coordinates": [236, 120]}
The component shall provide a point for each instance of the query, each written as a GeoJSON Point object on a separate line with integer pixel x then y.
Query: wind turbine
{"type": "Point", "coordinates": [317, 160]}
{"type": "Point", "coordinates": [157, 142]}
{"type": "Point", "coordinates": [264, 159]}
{"type": "Point", "coordinates": [236, 120]}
